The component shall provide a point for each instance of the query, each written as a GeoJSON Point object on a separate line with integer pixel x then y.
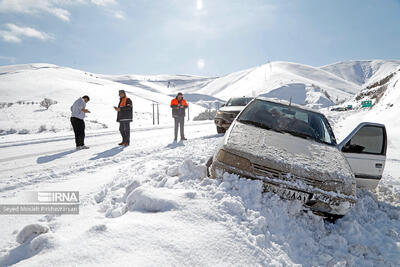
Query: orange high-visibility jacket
{"type": "Point", "coordinates": [175, 103]}
{"type": "Point", "coordinates": [176, 111]}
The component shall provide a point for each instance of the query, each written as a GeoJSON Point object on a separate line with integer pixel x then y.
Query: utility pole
{"type": "Point", "coordinates": [154, 105]}
{"type": "Point", "coordinates": [154, 122]}
{"type": "Point", "coordinates": [158, 114]}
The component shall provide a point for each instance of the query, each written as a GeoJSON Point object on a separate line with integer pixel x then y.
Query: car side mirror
{"type": "Point", "coordinates": [223, 105]}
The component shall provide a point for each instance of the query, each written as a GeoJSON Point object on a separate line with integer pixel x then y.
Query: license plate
{"type": "Point", "coordinates": [287, 193]}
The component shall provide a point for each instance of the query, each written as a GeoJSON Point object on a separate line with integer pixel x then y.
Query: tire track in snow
{"type": "Point", "coordinates": [89, 165]}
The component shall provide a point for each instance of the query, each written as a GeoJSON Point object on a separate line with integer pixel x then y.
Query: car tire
{"type": "Point", "coordinates": [220, 130]}
{"type": "Point", "coordinates": [208, 165]}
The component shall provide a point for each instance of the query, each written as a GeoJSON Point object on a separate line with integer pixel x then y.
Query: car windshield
{"type": "Point", "coordinates": [288, 119]}
{"type": "Point", "coordinates": [240, 101]}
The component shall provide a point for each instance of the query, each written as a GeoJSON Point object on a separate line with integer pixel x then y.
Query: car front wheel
{"type": "Point", "coordinates": [208, 165]}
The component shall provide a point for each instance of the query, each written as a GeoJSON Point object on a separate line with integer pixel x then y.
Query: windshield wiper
{"type": "Point", "coordinates": [302, 135]}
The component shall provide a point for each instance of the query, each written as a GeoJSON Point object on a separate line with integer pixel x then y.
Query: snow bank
{"type": "Point", "coordinates": [367, 236]}
{"type": "Point", "coordinates": [30, 231]}
{"type": "Point", "coordinates": [278, 231]}
{"type": "Point", "coordinates": [152, 199]}
{"type": "Point", "coordinates": [34, 239]}
{"type": "Point", "coordinates": [45, 241]}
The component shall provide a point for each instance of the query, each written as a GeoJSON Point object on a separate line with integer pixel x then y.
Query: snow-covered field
{"type": "Point", "coordinates": [151, 203]}
{"type": "Point", "coordinates": [21, 85]}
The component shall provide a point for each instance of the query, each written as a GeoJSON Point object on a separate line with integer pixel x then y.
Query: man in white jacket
{"type": "Point", "coordinates": [78, 113]}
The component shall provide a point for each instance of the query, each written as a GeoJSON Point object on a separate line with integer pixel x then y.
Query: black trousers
{"type": "Point", "coordinates": [79, 129]}
{"type": "Point", "coordinates": [125, 130]}
{"type": "Point", "coordinates": [179, 122]}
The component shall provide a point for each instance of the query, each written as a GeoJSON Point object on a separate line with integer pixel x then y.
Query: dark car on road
{"type": "Point", "coordinates": [228, 112]}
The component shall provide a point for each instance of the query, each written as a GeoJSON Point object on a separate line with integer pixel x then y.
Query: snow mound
{"type": "Point", "coordinates": [98, 228]}
{"type": "Point", "coordinates": [45, 241]}
{"type": "Point", "coordinates": [367, 236]}
{"type": "Point", "coordinates": [30, 231]}
{"type": "Point", "coordinates": [150, 199]}
{"type": "Point", "coordinates": [190, 170]}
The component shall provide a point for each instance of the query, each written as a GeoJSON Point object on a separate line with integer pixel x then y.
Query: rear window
{"type": "Point", "coordinates": [240, 101]}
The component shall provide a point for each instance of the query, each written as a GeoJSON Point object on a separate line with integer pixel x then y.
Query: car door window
{"type": "Point", "coordinates": [368, 140]}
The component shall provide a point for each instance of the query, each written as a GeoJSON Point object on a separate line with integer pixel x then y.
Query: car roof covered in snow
{"type": "Point", "coordinates": [287, 103]}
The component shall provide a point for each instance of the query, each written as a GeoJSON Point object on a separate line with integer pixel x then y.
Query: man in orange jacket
{"type": "Point", "coordinates": [124, 117]}
{"type": "Point", "coordinates": [179, 106]}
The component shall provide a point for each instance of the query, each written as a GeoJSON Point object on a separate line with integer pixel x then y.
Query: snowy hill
{"type": "Point", "coordinates": [165, 84]}
{"type": "Point", "coordinates": [361, 72]}
{"type": "Point", "coordinates": [384, 92]}
{"type": "Point", "coordinates": [33, 82]}
{"type": "Point", "coordinates": [305, 84]}
{"type": "Point", "coordinates": [316, 87]}
{"type": "Point", "coordinates": [170, 85]}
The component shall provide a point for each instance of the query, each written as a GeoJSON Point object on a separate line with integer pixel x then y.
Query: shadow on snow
{"type": "Point", "coordinates": [109, 153]}
{"type": "Point", "coordinates": [48, 158]}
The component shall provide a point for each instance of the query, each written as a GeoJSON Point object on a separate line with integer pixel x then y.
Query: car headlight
{"type": "Point", "coordinates": [234, 160]}
{"type": "Point", "coordinates": [219, 113]}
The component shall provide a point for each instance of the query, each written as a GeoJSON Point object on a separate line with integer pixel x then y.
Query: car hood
{"type": "Point", "coordinates": [231, 109]}
{"type": "Point", "coordinates": [287, 153]}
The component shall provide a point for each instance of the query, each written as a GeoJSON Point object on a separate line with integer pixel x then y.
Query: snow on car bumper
{"type": "Point", "coordinates": [319, 201]}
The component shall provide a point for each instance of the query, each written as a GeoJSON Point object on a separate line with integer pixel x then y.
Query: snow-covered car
{"type": "Point", "coordinates": [228, 112]}
{"type": "Point", "coordinates": [293, 150]}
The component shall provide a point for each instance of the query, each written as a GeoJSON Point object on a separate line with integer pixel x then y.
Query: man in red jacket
{"type": "Point", "coordinates": [179, 106]}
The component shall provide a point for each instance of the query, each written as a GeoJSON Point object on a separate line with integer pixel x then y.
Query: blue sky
{"type": "Point", "coordinates": [201, 37]}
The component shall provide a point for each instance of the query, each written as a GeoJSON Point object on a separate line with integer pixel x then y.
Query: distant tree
{"type": "Point", "coordinates": [205, 115]}
{"type": "Point", "coordinates": [42, 128]}
{"type": "Point", "coordinates": [47, 102]}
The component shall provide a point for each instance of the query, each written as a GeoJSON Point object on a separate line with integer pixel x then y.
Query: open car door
{"type": "Point", "coordinates": [365, 151]}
